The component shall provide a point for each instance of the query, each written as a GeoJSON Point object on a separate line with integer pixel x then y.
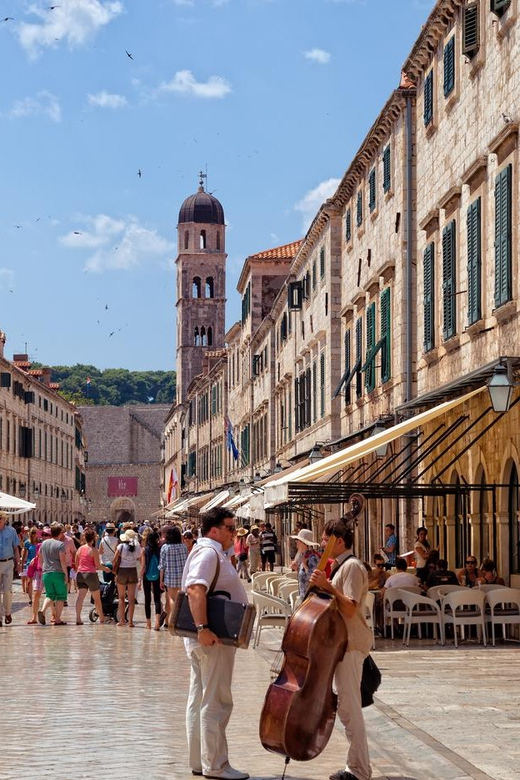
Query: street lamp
{"type": "Point", "coordinates": [22, 489]}
{"type": "Point", "coordinates": [500, 389]}
{"type": "Point", "coordinates": [383, 448]}
{"type": "Point", "coordinates": [315, 454]}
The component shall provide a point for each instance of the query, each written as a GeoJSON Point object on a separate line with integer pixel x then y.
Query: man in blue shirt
{"type": "Point", "coordinates": [390, 548]}
{"type": "Point", "coordinates": [9, 555]}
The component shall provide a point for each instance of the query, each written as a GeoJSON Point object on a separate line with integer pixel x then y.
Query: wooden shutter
{"type": "Point", "coordinates": [386, 169]}
{"type": "Point", "coordinates": [370, 374]}
{"type": "Point", "coordinates": [359, 353]}
{"type": "Point", "coordinates": [308, 397]}
{"type": "Point", "coordinates": [314, 390]}
{"type": "Point", "coordinates": [449, 66]}
{"type": "Point", "coordinates": [372, 189]}
{"type": "Point", "coordinates": [470, 30]}
{"type": "Point", "coordinates": [359, 209]}
{"type": "Point", "coordinates": [429, 301]}
{"type": "Point", "coordinates": [348, 225]}
{"type": "Point", "coordinates": [348, 362]}
{"type": "Point", "coordinates": [322, 262]}
{"type": "Point", "coordinates": [503, 236]}
{"type": "Point", "coordinates": [297, 404]}
{"type": "Point", "coordinates": [322, 384]}
{"type": "Point", "coordinates": [428, 98]}
{"type": "Point", "coordinates": [385, 334]}
{"type": "Point", "coordinates": [449, 326]}
{"type": "Point", "coordinates": [474, 262]}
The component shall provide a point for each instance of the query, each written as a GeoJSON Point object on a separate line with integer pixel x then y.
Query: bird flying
{"type": "Point", "coordinates": [130, 56]}
{"type": "Point", "coordinates": [139, 173]}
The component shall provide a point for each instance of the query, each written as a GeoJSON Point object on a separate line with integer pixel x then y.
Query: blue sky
{"type": "Point", "coordinates": [273, 96]}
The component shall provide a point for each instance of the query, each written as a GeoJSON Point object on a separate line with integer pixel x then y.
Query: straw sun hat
{"type": "Point", "coordinates": [306, 537]}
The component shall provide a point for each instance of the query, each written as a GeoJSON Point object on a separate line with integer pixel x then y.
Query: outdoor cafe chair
{"type": "Point", "coordinates": [393, 607]}
{"type": "Point", "coordinates": [295, 600]}
{"type": "Point", "coordinates": [465, 607]}
{"type": "Point", "coordinates": [443, 590]}
{"type": "Point", "coordinates": [286, 589]}
{"type": "Point", "coordinates": [419, 610]}
{"type": "Point", "coordinates": [259, 579]}
{"type": "Point", "coordinates": [504, 609]}
{"type": "Point", "coordinates": [271, 613]}
{"type": "Point", "coordinates": [273, 583]}
{"type": "Point", "coordinates": [487, 587]}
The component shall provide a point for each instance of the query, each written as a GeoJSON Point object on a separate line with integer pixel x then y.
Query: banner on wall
{"type": "Point", "coordinates": [122, 486]}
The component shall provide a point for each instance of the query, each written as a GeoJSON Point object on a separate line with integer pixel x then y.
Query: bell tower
{"type": "Point", "coordinates": [201, 284]}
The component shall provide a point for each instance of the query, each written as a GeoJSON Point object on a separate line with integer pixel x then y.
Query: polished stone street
{"type": "Point", "coordinates": [104, 702]}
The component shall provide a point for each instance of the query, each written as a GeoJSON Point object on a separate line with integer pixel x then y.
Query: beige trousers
{"type": "Point", "coordinates": [6, 584]}
{"type": "Point", "coordinates": [347, 683]}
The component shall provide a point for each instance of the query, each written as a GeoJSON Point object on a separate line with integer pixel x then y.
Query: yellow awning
{"type": "Point", "coordinates": [277, 492]}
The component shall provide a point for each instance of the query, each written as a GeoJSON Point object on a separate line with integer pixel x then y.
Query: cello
{"type": "Point", "coordinates": [300, 706]}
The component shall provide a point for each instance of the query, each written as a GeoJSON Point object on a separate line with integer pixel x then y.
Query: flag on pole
{"type": "Point", "coordinates": [172, 485]}
{"type": "Point", "coordinates": [230, 441]}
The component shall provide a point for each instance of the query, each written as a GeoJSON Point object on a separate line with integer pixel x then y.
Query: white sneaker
{"type": "Point", "coordinates": [229, 774]}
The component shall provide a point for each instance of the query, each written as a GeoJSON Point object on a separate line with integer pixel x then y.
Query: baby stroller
{"type": "Point", "coordinates": [109, 602]}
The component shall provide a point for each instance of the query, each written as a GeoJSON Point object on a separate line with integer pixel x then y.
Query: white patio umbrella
{"type": "Point", "coordinates": [13, 505]}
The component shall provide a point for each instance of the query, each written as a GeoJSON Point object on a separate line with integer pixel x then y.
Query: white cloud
{"type": "Point", "coordinates": [120, 244]}
{"type": "Point", "coordinates": [105, 99]}
{"type": "Point", "coordinates": [184, 82]}
{"type": "Point", "coordinates": [7, 279]}
{"type": "Point", "coordinates": [312, 200]}
{"type": "Point", "coordinates": [318, 55]}
{"type": "Point", "coordinates": [75, 21]}
{"type": "Point", "coordinates": [43, 103]}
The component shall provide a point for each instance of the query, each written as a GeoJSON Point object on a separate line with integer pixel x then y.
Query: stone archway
{"type": "Point", "coordinates": [122, 509]}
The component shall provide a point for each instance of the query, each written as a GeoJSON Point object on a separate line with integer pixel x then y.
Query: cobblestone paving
{"type": "Point", "coordinates": [92, 701]}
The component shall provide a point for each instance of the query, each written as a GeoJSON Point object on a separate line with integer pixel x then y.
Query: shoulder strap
{"type": "Point", "coordinates": [215, 578]}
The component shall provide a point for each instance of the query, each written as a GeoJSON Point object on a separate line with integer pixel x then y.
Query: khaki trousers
{"type": "Point", "coordinates": [6, 584]}
{"type": "Point", "coordinates": [347, 683]}
{"type": "Point", "coordinates": [209, 707]}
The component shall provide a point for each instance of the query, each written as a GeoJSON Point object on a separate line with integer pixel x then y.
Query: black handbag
{"type": "Point", "coordinates": [370, 681]}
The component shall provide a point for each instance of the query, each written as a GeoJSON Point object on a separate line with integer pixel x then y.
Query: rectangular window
{"type": "Point", "coordinates": [474, 262]}
{"type": "Point", "coordinates": [449, 300]}
{"type": "Point", "coordinates": [359, 355]}
{"type": "Point", "coordinates": [449, 66]}
{"type": "Point", "coordinates": [428, 99]}
{"type": "Point", "coordinates": [503, 283]}
{"type": "Point", "coordinates": [386, 330]}
{"type": "Point", "coordinates": [314, 276]}
{"type": "Point", "coordinates": [348, 225]}
{"type": "Point", "coordinates": [370, 374]}
{"type": "Point", "coordinates": [499, 7]}
{"type": "Point", "coordinates": [470, 30]}
{"type": "Point", "coordinates": [429, 300]}
{"type": "Point", "coordinates": [359, 209]}
{"type": "Point", "coordinates": [387, 181]}
{"type": "Point", "coordinates": [322, 262]}
{"type": "Point", "coordinates": [314, 391]}
{"type": "Point", "coordinates": [347, 347]}
{"type": "Point", "coordinates": [322, 384]}
{"type": "Point", "coordinates": [372, 190]}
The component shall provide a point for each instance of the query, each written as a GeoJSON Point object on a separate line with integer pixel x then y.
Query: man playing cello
{"type": "Point", "coordinates": [349, 584]}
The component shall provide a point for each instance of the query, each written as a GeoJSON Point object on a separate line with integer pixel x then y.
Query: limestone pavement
{"type": "Point", "coordinates": [92, 701]}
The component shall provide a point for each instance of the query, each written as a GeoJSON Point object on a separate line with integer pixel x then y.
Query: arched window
{"type": "Point", "coordinates": [202, 239]}
{"type": "Point", "coordinates": [197, 338]}
{"type": "Point", "coordinates": [210, 336]}
{"type": "Point", "coordinates": [218, 240]}
{"type": "Point", "coordinates": [209, 287]}
{"type": "Point", "coordinates": [196, 288]}
{"type": "Point", "coordinates": [186, 239]}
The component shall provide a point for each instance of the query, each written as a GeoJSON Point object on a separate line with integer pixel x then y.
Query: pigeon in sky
{"type": "Point", "coordinates": [129, 55]}
{"type": "Point", "coordinates": [139, 173]}
{"type": "Point", "coordinates": [77, 233]}
{"type": "Point", "coordinates": [8, 19]}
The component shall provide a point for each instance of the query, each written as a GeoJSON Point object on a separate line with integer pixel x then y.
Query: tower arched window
{"type": "Point", "coordinates": [210, 293]}
{"type": "Point", "coordinates": [203, 337]}
{"type": "Point", "coordinates": [202, 239]}
{"type": "Point", "coordinates": [218, 239]}
{"type": "Point", "coordinates": [210, 336]}
{"type": "Point", "coordinates": [196, 339]}
{"type": "Point", "coordinates": [197, 287]}
{"type": "Point", "coordinates": [186, 239]}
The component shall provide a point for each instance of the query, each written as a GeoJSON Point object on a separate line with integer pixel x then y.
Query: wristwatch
{"type": "Point", "coordinates": [201, 627]}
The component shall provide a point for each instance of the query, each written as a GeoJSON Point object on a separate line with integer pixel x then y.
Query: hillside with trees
{"type": "Point", "coordinates": [87, 385]}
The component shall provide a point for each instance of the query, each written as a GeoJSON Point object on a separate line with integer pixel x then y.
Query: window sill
{"type": "Point", "coordinates": [374, 214]}
{"type": "Point", "coordinates": [475, 328]}
{"type": "Point", "coordinates": [430, 130]}
{"type": "Point", "coordinates": [506, 311]}
{"type": "Point", "coordinates": [361, 231]}
{"type": "Point", "coordinates": [431, 356]}
{"type": "Point", "coordinates": [452, 344]}
{"type": "Point", "coordinates": [388, 194]}
{"type": "Point", "coordinates": [506, 22]}
{"type": "Point", "coordinates": [451, 102]}
{"type": "Point", "coordinates": [476, 64]}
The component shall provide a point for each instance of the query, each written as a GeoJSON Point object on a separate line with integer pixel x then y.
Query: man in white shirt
{"type": "Point", "coordinates": [210, 699]}
{"type": "Point", "coordinates": [401, 579]}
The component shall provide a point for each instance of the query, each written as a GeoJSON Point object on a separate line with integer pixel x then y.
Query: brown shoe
{"type": "Point", "coordinates": [8, 620]}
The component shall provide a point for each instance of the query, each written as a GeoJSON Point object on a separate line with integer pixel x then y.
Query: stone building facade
{"type": "Point", "coordinates": [402, 295]}
{"type": "Point", "coordinates": [42, 444]}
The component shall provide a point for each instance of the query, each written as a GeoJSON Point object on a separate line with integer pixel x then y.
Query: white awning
{"type": "Point", "coordinates": [181, 506]}
{"type": "Point", "coordinates": [217, 500]}
{"type": "Point", "coordinates": [13, 505]}
{"type": "Point", "coordinates": [244, 511]}
{"type": "Point", "coordinates": [236, 501]}
{"type": "Point", "coordinates": [277, 492]}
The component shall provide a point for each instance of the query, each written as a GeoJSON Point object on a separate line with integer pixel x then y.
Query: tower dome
{"type": "Point", "coordinates": [202, 207]}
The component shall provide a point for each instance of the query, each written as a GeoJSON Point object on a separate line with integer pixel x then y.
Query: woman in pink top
{"type": "Point", "coordinates": [87, 565]}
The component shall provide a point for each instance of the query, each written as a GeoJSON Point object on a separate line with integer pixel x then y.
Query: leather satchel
{"type": "Point", "coordinates": [231, 621]}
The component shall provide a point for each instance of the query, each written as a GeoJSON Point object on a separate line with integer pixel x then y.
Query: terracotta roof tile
{"type": "Point", "coordinates": [285, 252]}
{"type": "Point", "coordinates": [35, 372]}
{"type": "Point", "coordinates": [23, 364]}
{"type": "Point", "coordinates": [54, 385]}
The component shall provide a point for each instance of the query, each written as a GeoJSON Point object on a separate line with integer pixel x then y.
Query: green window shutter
{"type": "Point", "coordinates": [449, 325]}
{"type": "Point", "coordinates": [499, 7]}
{"type": "Point", "coordinates": [314, 391]}
{"type": "Point", "coordinates": [322, 262]}
{"type": "Point", "coordinates": [359, 355]}
{"type": "Point", "coordinates": [348, 225]}
{"type": "Point", "coordinates": [322, 384]}
{"type": "Point", "coordinates": [428, 98]}
{"type": "Point", "coordinates": [503, 284]}
{"type": "Point", "coordinates": [297, 404]}
{"type": "Point", "coordinates": [386, 169]}
{"type": "Point", "coordinates": [470, 30]}
{"type": "Point", "coordinates": [474, 262]}
{"type": "Point", "coordinates": [386, 370]}
{"type": "Point", "coordinates": [370, 374]}
{"type": "Point", "coordinates": [359, 209]}
{"type": "Point", "coordinates": [314, 275]}
{"type": "Point", "coordinates": [449, 66]}
{"type": "Point", "coordinates": [429, 300]}
{"type": "Point", "coordinates": [348, 362]}
{"type": "Point", "coordinates": [372, 189]}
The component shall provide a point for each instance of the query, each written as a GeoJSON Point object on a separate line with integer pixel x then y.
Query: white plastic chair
{"type": "Point", "coordinates": [504, 609]}
{"type": "Point", "coordinates": [390, 611]}
{"type": "Point", "coordinates": [419, 610]}
{"type": "Point", "coordinates": [487, 587]}
{"type": "Point", "coordinates": [272, 612]}
{"type": "Point", "coordinates": [292, 575]}
{"type": "Point", "coordinates": [273, 583]}
{"type": "Point", "coordinates": [286, 589]}
{"type": "Point", "coordinates": [464, 607]}
{"type": "Point", "coordinates": [445, 589]}
{"type": "Point", "coordinates": [370, 601]}
{"type": "Point", "coordinates": [259, 579]}
{"type": "Point", "coordinates": [295, 600]}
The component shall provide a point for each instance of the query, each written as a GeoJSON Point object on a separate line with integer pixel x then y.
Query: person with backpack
{"type": "Point", "coordinates": [171, 564]}
{"type": "Point", "coordinates": [150, 579]}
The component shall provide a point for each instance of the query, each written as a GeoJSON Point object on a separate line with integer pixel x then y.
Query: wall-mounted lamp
{"type": "Point", "coordinates": [383, 448]}
{"type": "Point", "coordinates": [315, 454]}
{"type": "Point", "coordinates": [22, 489]}
{"type": "Point", "coordinates": [500, 389]}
